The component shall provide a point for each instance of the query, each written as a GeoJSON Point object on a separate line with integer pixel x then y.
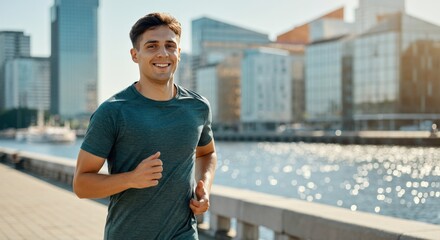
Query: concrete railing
{"type": "Point", "coordinates": [289, 219]}
{"type": "Point", "coordinates": [56, 168]}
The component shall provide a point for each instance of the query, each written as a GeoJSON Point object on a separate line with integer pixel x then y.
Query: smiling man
{"type": "Point", "coordinates": [158, 143]}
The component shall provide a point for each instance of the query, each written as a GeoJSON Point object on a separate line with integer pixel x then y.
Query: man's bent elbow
{"type": "Point", "coordinates": [78, 188]}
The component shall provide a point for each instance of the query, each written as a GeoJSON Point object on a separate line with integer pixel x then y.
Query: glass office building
{"type": "Point", "coordinates": [12, 44]}
{"type": "Point", "coordinates": [208, 88]}
{"type": "Point", "coordinates": [209, 30]}
{"type": "Point", "coordinates": [27, 83]}
{"type": "Point", "coordinates": [183, 74]}
{"type": "Point", "coordinates": [324, 82]}
{"type": "Point", "coordinates": [369, 12]}
{"type": "Point", "coordinates": [396, 74]}
{"type": "Point", "coordinates": [213, 41]}
{"type": "Point", "coordinates": [74, 57]}
{"type": "Point", "coordinates": [266, 89]}
{"type": "Point", "coordinates": [220, 84]}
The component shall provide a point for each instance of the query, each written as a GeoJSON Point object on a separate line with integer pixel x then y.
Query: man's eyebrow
{"type": "Point", "coordinates": [151, 41]}
{"type": "Point", "coordinates": [156, 41]}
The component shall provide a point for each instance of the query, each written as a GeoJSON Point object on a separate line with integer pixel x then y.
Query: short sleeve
{"type": "Point", "coordinates": [101, 132]}
{"type": "Point", "coordinates": [207, 135]}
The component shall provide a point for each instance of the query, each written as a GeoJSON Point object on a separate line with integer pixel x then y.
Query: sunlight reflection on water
{"type": "Point", "coordinates": [403, 182]}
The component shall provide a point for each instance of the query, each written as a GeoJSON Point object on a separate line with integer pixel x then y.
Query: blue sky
{"type": "Point", "coordinates": [116, 71]}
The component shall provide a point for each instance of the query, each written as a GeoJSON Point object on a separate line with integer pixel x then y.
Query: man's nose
{"type": "Point", "coordinates": [162, 52]}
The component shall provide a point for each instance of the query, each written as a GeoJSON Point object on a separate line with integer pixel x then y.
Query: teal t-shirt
{"type": "Point", "coordinates": [128, 128]}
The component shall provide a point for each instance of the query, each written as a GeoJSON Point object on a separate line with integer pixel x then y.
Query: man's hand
{"type": "Point", "coordinates": [147, 173]}
{"type": "Point", "coordinates": [200, 205]}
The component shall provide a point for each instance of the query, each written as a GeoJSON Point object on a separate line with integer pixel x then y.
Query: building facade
{"type": "Point", "coordinates": [207, 82]}
{"type": "Point", "coordinates": [327, 26]}
{"type": "Point", "coordinates": [266, 89]}
{"type": "Point", "coordinates": [395, 77]}
{"type": "Point", "coordinates": [208, 31]}
{"type": "Point", "coordinates": [220, 84]}
{"type": "Point", "coordinates": [183, 74]}
{"type": "Point", "coordinates": [324, 83]}
{"type": "Point", "coordinates": [27, 83]}
{"type": "Point", "coordinates": [12, 44]}
{"type": "Point", "coordinates": [74, 57]}
{"type": "Point", "coordinates": [213, 41]}
{"type": "Point", "coordinates": [369, 12]}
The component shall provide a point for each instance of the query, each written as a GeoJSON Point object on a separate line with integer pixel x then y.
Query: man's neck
{"type": "Point", "coordinates": [155, 91]}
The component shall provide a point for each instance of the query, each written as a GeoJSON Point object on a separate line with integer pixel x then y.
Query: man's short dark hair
{"type": "Point", "coordinates": [152, 21]}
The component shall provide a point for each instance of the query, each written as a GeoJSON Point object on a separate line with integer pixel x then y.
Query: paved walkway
{"type": "Point", "coordinates": [34, 209]}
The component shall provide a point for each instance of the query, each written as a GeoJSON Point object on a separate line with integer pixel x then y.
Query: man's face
{"type": "Point", "coordinates": [158, 54]}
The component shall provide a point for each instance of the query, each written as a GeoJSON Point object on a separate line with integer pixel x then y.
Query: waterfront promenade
{"type": "Point", "coordinates": [34, 209]}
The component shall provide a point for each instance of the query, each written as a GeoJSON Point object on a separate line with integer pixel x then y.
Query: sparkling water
{"type": "Point", "coordinates": [396, 181]}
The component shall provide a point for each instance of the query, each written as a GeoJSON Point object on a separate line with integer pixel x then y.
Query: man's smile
{"type": "Point", "coordinates": [162, 65]}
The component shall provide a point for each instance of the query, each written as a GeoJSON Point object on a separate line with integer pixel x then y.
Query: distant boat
{"type": "Point", "coordinates": [46, 134]}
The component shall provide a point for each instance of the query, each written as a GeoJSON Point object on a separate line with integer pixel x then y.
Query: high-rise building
{"type": "Point", "coordinates": [327, 26]}
{"type": "Point", "coordinates": [183, 74]}
{"type": "Point", "coordinates": [27, 83]}
{"type": "Point", "coordinates": [207, 80]}
{"type": "Point", "coordinates": [370, 12]}
{"type": "Point", "coordinates": [324, 105]}
{"type": "Point", "coordinates": [315, 87]}
{"type": "Point", "coordinates": [12, 44]}
{"type": "Point", "coordinates": [396, 74]}
{"type": "Point", "coordinates": [74, 57]}
{"type": "Point", "coordinates": [213, 41]}
{"type": "Point", "coordinates": [220, 84]}
{"type": "Point", "coordinates": [266, 89]}
{"type": "Point", "coordinates": [216, 39]}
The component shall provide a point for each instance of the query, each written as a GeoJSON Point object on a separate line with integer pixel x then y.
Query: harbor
{"type": "Point", "coordinates": [286, 218]}
{"type": "Point", "coordinates": [402, 138]}
{"type": "Point", "coordinates": [400, 182]}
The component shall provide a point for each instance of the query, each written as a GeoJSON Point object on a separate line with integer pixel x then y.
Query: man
{"type": "Point", "coordinates": [158, 143]}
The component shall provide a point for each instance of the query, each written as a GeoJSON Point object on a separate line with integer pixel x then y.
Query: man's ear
{"type": "Point", "coordinates": [133, 53]}
{"type": "Point", "coordinates": [178, 59]}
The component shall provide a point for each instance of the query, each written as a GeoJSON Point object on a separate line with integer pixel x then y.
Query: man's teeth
{"type": "Point", "coordinates": [161, 64]}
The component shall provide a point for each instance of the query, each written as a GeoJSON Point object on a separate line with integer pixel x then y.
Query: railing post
{"type": "Point", "coordinates": [219, 225]}
{"type": "Point", "coordinates": [17, 161]}
{"type": "Point", "coordinates": [246, 231]}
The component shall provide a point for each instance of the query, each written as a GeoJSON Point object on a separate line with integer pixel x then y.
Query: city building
{"type": "Point", "coordinates": [320, 88]}
{"type": "Point", "coordinates": [369, 12]}
{"type": "Point", "coordinates": [207, 81]}
{"type": "Point", "coordinates": [12, 44]}
{"type": "Point", "coordinates": [324, 82]}
{"type": "Point", "coordinates": [396, 74]}
{"type": "Point", "coordinates": [266, 89]}
{"type": "Point", "coordinates": [183, 74]}
{"type": "Point", "coordinates": [213, 41]}
{"type": "Point", "coordinates": [220, 84]}
{"type": "Point", "coordinates": [74, 58]}
{"type": "Point", "coordinates": [327, 26]}
{"type": "Point", "coordinates": [27, 83]}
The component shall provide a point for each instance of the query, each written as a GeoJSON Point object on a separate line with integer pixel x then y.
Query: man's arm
{"type": "Point", "coordinates": [88, 183]}
{"type": "Point", "coordinates": [206, 162]}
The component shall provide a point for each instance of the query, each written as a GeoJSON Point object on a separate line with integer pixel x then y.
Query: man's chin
{"type": "Point", "coordinates": [164, 80]}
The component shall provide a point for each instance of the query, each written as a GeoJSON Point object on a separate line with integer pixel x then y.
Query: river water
{"type": "Point", "coordinates": [396, 181]}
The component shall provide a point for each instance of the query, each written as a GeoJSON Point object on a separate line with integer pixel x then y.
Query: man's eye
{"type": "Point", "coordinates": [151, 46]}
{"type": "Point", "coordinates": [171, 46]}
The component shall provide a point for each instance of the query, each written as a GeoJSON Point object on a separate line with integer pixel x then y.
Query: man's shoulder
{"type": "Point", "coordinates": [116, 101]}
{"type": "Point", "coordinates": [190, 94]}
